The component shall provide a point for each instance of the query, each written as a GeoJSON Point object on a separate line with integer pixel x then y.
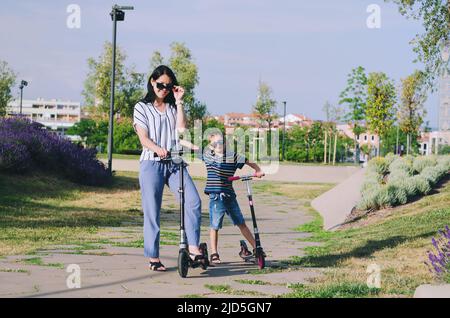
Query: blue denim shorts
{"type": "Point", "coordinates": [219, 205]}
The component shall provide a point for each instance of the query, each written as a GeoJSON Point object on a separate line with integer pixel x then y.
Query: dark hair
{"type": "Point", "coordinates": [157, 73]}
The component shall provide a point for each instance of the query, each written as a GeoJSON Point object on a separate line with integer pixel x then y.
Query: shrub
{"type": "Point", "coordinates": [25, 145]}
{"type": "Point", "coordinates": [378, 165]}
{"type": "Point", "coordinates": [421, 163]}
{"type": "Point", "coordinates": [422, 184]}
{"type": "Point", "coordinates": [439, 257]}
{"type": "Point", "coordinates": [14, 157]}
{"type": "Point", "coordinates": [369, 198]}
{"type": "Point", "coordinates": [403, 181]}
{"type": "Point", "coordinates": [397, 194]}
{"type": "Point", "coordinates": [402, 164]}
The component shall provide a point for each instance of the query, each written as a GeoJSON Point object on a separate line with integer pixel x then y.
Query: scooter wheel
{"type": "Point", "coordinates": [261, 262]}
{"type": "Point", "coordinates": [183, 264]}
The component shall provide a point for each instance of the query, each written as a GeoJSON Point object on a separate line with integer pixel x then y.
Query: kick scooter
{"type": "Point", "coordinates": [184, 259]}
{"type": "Point", "coordinates": [259, 255]}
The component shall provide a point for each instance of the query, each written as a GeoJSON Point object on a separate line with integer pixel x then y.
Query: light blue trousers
{"type": "Point", "coordinates": [153, 175]}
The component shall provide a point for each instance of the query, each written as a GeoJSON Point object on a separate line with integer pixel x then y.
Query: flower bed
{"type": "Point", "coordinates": [395, 180]}
{"type": "Point", "coordinates": [26, 146]}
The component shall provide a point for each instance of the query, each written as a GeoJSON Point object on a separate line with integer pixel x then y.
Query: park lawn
{"type": "Point", "coordinates": [118, 156]}
{"type": "Point", "coordinates": [41, 210]}
{"type": "Point", "coordinates": [395, 239]}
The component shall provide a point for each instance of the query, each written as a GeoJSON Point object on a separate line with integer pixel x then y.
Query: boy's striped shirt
{"type": "Point", "coordinates": [219, 168]}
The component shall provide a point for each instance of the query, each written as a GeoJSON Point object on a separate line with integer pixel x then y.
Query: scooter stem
{"type": "Point", "coordinates": [183, 240]}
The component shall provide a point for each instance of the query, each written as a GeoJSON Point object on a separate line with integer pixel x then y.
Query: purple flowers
{"type": "Point", "coordinates": [439, 259]}
{"type": "Point", "coordinates": [28, 146]}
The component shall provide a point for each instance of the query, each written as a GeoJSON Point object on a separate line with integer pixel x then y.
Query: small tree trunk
{"type": "Point", "coordinates": [325, 148]}
{"type": "Point", "coordinates": [407, 144]}
{"type": "Point", "coordinates": [334, 153]}
{"type": "Point", "coordinates": [379, 146]}
{"type": "Point", "coordinates": [329, 148]}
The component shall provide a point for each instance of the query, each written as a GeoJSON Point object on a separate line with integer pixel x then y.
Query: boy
{"type": "Point", "coordinates": [220, 165]}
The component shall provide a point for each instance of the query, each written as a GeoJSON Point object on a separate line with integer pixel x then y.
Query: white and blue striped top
{"type": "Point", "coordinates": [161, 127]}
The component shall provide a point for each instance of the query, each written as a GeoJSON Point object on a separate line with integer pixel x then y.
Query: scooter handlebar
{"type": "Point", "coordinates": [234, 178]}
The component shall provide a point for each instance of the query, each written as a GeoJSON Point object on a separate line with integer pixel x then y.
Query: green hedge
{"type": "Point", "coordinates": [395, 180]}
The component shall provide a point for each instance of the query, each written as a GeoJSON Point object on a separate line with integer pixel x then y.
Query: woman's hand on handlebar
{"type": "Point", "coordinates": [161, 152]}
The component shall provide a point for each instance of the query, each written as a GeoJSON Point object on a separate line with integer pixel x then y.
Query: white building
{"type": "Point", "coordinates": [295, 120]}
{"type": "Point", "coordinates": [431, 141]}
{"type": "Point", "coordinates": [55, 114]}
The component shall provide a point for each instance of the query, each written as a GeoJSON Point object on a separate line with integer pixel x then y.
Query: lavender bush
{"type": "Point", "coordinates": [26, 146]}
{"type": "Point", "coordinates": [397, 180]}
{"type": "Point", "coordinates": [439, 259]}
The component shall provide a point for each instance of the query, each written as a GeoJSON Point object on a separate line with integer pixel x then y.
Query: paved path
{"type": "Point", "coordinates": [336, 204]}
{"type": "Point", "coordinates": [122, 271]}
{"type": "Point", "coordinates": [285, 173]}
{"type": "Point", "coordinates": [433, 291]}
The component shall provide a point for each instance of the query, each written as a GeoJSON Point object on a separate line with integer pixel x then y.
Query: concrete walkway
{"type": "Point", "coordinates": [336, 204]}
{"type": "Point", "coordinates": [122, 271]}
{"type": "Point", "coordinates": [432, 291]}
{"type": "Point", "coordinates": [284, 173]}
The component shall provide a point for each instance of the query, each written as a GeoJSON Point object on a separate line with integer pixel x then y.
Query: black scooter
{"type": "Point", "coordinates": [184, 259]}
{"type": "Point", "coordinates": [259, 256]}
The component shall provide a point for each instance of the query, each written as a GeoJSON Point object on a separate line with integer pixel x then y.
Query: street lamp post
{"type": "Point", "coordinates": [284, 130]}
{"type": "Point", "coordinates": [445, 55]}
{"type": "Point", "coordinates": [22, 85]}
{"type": "Point", "coordinates": [117, 14]}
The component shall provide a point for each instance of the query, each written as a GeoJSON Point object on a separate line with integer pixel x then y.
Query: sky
{"type": "Point", "coordinates": [302, 49]}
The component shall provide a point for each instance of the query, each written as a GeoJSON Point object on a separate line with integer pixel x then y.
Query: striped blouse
{"type": "Point", "coordinates": [219, 168]}
{"type": "Point", "coordinates": [160, 127]}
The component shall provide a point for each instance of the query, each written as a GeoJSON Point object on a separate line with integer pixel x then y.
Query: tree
{"type": "Point", "coordinates": [381, 99]}
{"type": "Point", "coordinates": [265, 104]}
{"type": "Point", "coordinates": [126, 141]}
{"type": "Point", "coordinates": [354, 97]}
{"type": "Point", "coordinates": [97, 86]}
{"type": "Point", "coordinates": [435, 16]}
{"type": "Point", "coordinates": [7, 81]}
{"type": "Point", "coordinates": [186, 71]}
{"type": "Point", "coordinates": [390, 141]}
{"type": "Point", "coordinates": [333, 113]}
{"type": "Point", "coordinates": [85, 128]}
{"type": "Point", "coordinates": [129, 93]}
{"type": "Point", "coordinates": [411, 110]}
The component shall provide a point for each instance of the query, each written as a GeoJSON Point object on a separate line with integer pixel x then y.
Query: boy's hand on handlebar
{"type": "Point", "coordinates": [161, 152]}
{"type": "Point", "coordinates": [259, 174]}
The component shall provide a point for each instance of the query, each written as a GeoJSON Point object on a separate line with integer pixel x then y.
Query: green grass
{"type": "Point", "coordinates": [251, 282]}
{"type": "Point", "coordinates": [446, 277]}
{"type": "Point", "coordinates": [39, 262]}
{"type": "Point", "coordinates": [11, 270]}
{"type": "Point", "coordinates": [341, 290]}
{"type": "Point", "coordinates": [191, 296]}
{"type": "Point", "coordinates": [40, 210]}
{"type": "Point", "coordinates": [118, 156]}
{"type": "Point", "coordinates": [221, 289]}
{"type": "Point", "coordinates": [226, 289]}
{"type": "Point", "coordinates": [397, 243]}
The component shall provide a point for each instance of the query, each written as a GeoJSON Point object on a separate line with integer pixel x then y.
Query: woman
{"type": "Point", "coordinates": [158, 119]}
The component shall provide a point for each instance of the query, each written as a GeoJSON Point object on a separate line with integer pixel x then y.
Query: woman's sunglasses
{"type": "Point", "coordinates": [162, 86]}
